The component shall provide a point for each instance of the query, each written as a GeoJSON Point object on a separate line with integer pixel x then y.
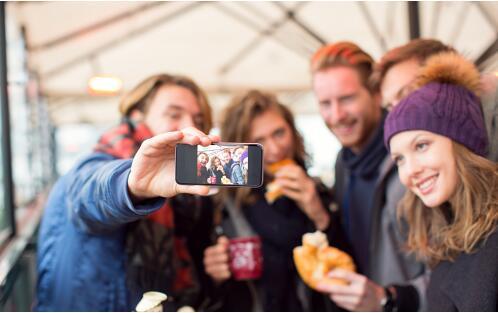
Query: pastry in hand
{"type": "Point", "coordinates": [315, 259]}
{"type": "Point", "coordinates": [275, 167]}
{"type": "Point", "coordinates": [225, 180]}
{"type": "Point", "coordinates": [273, 190]}
{"type": "Point", "coordinates": [151, 302]}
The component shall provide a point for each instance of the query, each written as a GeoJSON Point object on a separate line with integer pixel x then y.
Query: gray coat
{"type": "Point", "coordinates": [388, 262]}
{"type": "Point", "coordinates": [490, 109]}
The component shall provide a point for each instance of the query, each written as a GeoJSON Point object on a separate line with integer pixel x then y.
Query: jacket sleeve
{"type": "Point", "coordinates": [237, 174]}
{"type": "Point", "coordinates": [97, 195]}
{"type": "Point", "coordinates": [412, 297]}
{"type": "Point", "coordinates": [335, 232]}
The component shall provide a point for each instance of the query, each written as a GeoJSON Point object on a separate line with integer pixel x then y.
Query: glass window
{"type": "Point", "coordinates": [5, 201]}
{"type": "Point", "coordinates": [33, 162]}
{"type": "Point", "coordinates": [3, 221]}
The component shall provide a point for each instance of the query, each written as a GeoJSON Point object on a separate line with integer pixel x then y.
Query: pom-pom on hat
{"type": "Point", "coordinates": [445, 103]}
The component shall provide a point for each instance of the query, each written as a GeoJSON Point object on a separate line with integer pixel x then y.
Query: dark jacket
{"type": "Point", "coordinates": [470, 283]}
{"type": "Point", "coordinates": [204, 175]}
{"type": "Point", "coordinates": [280, 226]}
{"type": "Point", "coordinates": [228, 169]}
{"type": "Point", "coordinates": [217, 173]}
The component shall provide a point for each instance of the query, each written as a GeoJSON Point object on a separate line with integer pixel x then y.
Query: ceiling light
{"type": "Point", "coordinates": [104, 85]}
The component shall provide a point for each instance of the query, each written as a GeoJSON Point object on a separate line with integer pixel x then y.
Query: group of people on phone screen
{"type": "Point", "coordinates": [226, 167]}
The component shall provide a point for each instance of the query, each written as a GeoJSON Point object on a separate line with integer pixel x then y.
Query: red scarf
{"type": "Point", "coordinates": [158, 259]}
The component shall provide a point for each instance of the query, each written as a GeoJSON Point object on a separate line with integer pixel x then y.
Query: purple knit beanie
{"type": "Point", "coordinates": [447, 109]}
{"type": "Point", "coordinates": [243, 156]}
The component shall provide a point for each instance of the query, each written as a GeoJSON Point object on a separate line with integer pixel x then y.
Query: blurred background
{"type": "Point", "coordinates": [65, 65]}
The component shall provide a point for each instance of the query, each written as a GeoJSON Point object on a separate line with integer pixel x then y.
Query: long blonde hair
{"type": "Point", "coordinates": [458, 226]}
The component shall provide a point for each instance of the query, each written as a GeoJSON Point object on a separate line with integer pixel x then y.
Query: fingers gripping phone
{"type": "Point", "coordinates": [221, 164]}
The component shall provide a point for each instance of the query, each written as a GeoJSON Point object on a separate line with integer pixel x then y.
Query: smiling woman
{"type": "Point", "coordinates": [426, 165]}
{"type": "Point", "coordinates": [279, 221]}
{"type": "Point", "coordinates": [437, 137]}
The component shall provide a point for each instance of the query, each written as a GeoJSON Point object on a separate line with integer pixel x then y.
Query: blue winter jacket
{"type": "Point", "coordinates": [236, 174]}
{"type": "Point", "coordinates": [81, 253]}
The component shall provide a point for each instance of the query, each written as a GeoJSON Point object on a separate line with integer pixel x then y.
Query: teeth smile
{"type": "Point", "coordinates": [427, 184]}
{"type": "Point", "coordinates": [345, 128]}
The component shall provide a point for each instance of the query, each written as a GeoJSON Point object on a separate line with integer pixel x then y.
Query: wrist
{"type": "Point", "coordinates": [322, 221]}
{"type": "Point", "coordinates": [135, 195]}
{"type": "Point", "coordinates": [317, 213]}
{"type": "Point", "coordinates": [388, 301]}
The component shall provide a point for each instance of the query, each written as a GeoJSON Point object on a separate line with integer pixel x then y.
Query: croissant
{"type": "Point", "coordinates": [315, 258]}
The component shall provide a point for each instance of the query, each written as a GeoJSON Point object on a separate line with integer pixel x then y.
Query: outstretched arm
{"type": "Point", "coordinates": [105, 194]}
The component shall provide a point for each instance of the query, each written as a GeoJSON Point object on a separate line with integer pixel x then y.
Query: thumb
{"type": "Point", "coordinates": [343, 274]}
{"type": "Point", "coordinates": [223, 240]}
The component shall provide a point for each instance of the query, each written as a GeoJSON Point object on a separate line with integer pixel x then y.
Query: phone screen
{"type": "Point", "coordinates": [222, 164]}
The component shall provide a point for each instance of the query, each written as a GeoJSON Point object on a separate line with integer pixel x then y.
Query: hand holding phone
{"type": "Point", "coordinates": [221, 164]}
{"type": "Point", "coordinates": [153, 166]}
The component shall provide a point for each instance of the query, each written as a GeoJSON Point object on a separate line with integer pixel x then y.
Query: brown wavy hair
{"type": "Point", "coordinates": [213, 163]}
{"type": "Point", "coordinates": [236, 126]}
{"type": "Point", "coordinates": [458, 226]}
{"type": "Point", "coordinates": [419, 49]}
{"type": "Point", "coordinates": [141, 96]}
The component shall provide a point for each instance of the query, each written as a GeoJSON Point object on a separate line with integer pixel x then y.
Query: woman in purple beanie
{"type": "Point", "coordinates": [244, 162]}
{"type": "Point", "coordinates": [437, 137]}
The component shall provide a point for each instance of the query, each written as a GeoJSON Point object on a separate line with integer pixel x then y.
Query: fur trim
{"type": "Point", "coordinates": [450, 68]}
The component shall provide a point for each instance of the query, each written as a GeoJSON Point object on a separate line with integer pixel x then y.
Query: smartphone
{"type": "Point", "coordinates": [221, 164]}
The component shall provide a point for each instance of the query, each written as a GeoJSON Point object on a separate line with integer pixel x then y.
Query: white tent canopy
{"type": "Point", "coordinates": [224, 46]}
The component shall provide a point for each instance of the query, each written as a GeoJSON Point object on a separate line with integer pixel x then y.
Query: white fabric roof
{"type": "Point", "coordinates": [224, 46]}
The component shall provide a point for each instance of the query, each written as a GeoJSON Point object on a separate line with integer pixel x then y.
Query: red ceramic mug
{"type": "Point", "coordinates": [212, 180]}
{"type": "Point", "coordinates": [246, 258]}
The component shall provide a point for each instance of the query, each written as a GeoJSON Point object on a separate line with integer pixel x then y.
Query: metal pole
{"type": "Point", "coordinates": [488, 53]}
{"type": "Point", "coordinates": [292, 16]}
{"type": "Point", "coordinates": [253, 44]}
{"type": "Point", "coordinates": [375, 31]}
{"type": "Point", "coordinates": [8, 186]}
{"type": "Point", "coordinates": [94, 27]}
{"type": "Point", "coordinates": [414, 19]}
{"type": "Point", "coordinates": [112, 44]}
{"type": "Point", "coordinates": [255, 27]}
